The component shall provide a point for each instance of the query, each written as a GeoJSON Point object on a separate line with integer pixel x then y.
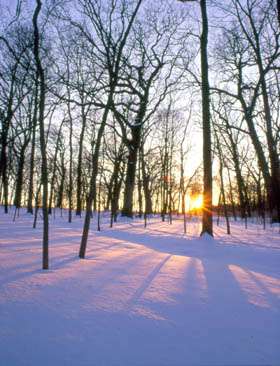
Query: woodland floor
{"type": "Point", "coordinates": [150, 297]}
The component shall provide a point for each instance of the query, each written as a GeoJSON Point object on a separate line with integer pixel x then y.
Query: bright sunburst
{"type": "Point", "coordinates": [196, 201]}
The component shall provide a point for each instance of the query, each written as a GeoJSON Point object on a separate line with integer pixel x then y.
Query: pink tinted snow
{"type": "Point", "coordinates": [141, 297]}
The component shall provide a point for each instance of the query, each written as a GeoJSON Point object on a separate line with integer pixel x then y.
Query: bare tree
{"type": "Point", "coordinates": [41, 108]}
{"type": "Point", "coordinates": [207, 220]}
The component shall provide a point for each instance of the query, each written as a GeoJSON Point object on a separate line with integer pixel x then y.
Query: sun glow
{"type": "Point", "coordinates": [196, 202]}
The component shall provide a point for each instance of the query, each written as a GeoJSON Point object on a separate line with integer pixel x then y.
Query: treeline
{"type": "Point", "coordinates": [100, 107]}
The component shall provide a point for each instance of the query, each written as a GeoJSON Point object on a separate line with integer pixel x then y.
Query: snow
{"type": "Point", "coordinates": [149, 296]}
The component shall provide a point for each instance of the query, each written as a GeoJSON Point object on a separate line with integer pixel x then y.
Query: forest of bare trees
{"type": "Point", "coordinates": [132, 107]}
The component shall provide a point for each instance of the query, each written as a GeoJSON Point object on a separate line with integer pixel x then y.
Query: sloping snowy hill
{"type": "Point", "coordinates": [141, 297]}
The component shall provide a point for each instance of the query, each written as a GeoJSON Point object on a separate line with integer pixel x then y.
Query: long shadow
{"type": "Point", "coordinates": [22, 275]}
{"type": "Point", "coordinates": [90, 254]}
{"type": "Point", "coordinates": [228, 307]}
{"type": "Point", "coordinates": [256, 305]}
{"type": "Point", "coordinates": [58, 262]}
{"type": "Point", "coordinates": [240, 242]}
{"type": "Point", "coordinates": [113, 273]}
{"type": "Point", "coordinates": [55, 262]}
{"type": "Point", "coordinates": [157, 242]}
{"type": "Point", "coordinates": [214, 256]}
{"type": "Point", "coordinates": [251, 258]}
{"type": "Point", "coordinates": [126, 263]}
{"type": "Point", "coordinates": [37, 262]}
{"type": "Point", "coordinates": [24, 246]}
{"type": "Point", "coordinates": [272, 299]}
{"type": "Point", "coordinates": [217, 274]}
{"type": "Point", "coordinates": [73, 257]}
{"type": "Point", "coordinates": [147, 281]}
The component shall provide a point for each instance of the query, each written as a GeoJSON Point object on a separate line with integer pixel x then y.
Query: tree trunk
{"type": "Point", "coordinates": [32, 155]}
{"type": "Point", "coordinates": [131, 172]}
{"type": "Point", "coordinates": [19, 180]}
{"type": "Point", "coordinates": [61, 187]}
{"type": "Point", "coordinates": [274, 194]}
{"type": "Point", "coordinates": [54, 170]}
{"type": "Point", "coordinates": [4, 142]}
{"type": "Point", "coordinates": [92, 186]}
{"type": "Point", "coordinates": [146, 188]}
{"type": "Point", "coordinates": [44, 166]}
{"type": "Point", "coordinates": [139, 186]}
{"type": "Point", "coordinates": [224, 196]}
{"type": "Point", "coordinates": [207, 219]}
{"type": "Point", "coordinates": [231, 196]}
{"type": "Point", "coordinates": [79, 166]}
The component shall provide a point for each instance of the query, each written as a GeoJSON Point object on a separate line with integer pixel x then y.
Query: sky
{"type": "Point", "coordinates": [195, 155]}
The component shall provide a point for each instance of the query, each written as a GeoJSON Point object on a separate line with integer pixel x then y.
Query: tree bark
{"type": "Point", "coordinates": [44, 166]}
{"type": "Point", "coordinates": [207, 219]}
{"type": "Point", "coordinates": [79, 166]}
{"type": "Point", "coordinates": [32, 156]}
{"type": "Point", "coordinates": [146, 188]}
{"type": "Point", "coordinates": [19, 180]}
{"type": "Point", "coordinates": [133, 148]}
{"type": "Point", "coordinates": [92, 186]}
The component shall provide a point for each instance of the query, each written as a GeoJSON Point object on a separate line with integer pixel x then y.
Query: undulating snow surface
{"type": "Point", "coordinates": [141, 297]}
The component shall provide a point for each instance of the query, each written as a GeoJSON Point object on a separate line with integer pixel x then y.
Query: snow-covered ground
{"type": "Point", "coordinates": [141, 297]}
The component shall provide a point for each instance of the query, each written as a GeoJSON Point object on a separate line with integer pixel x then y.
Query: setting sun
{"type": "Point", "coordinates": [196, 202]}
